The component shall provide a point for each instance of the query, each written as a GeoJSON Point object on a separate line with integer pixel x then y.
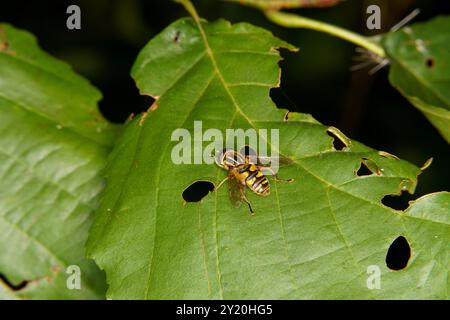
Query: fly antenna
{"type": "Point", "coordinates": [405, 20]}
{"type": "Point", "coordinates": [365, 58]}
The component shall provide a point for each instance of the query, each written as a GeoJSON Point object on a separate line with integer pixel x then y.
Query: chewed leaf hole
{"type": "Point", "coordinates": [397, 202]}
{"type": "Point", "coordinates": [363, 170]}
{"type": "Point", "coordinates": [429, 62]}
{"type": "Point", "coordinates": [340, 141]}
{"type": "Point", "coordinates": [368, 167]}
{"type": "Point", "coordinates": [176, 36]}
{"type": "Point", "coordinates": [197, 191]}
{"type": "Point", "coordinates": [280, 98]}
{"type": "Point", "coordinates": [398, 254]}
{"type": "Point", "coordinates": [14, 287]}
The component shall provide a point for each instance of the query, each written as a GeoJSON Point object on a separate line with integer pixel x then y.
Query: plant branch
{"type": "Point", "coordinates": [290, 20]}
{"type": "Point", "coordinates": [286, 4]}
{"type": "Point", "coordinates": [187, 4]}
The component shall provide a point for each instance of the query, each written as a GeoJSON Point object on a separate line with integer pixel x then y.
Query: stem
{"type": "Point", "coordinates": [187, 4]}
{"type": "Point", "coordinates": [290, 20]}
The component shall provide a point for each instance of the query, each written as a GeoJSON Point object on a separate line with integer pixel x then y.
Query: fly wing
{"type": "Point", "coordinates": [235, 190]}
{"type": "Point", "coordinates": [265, 161]}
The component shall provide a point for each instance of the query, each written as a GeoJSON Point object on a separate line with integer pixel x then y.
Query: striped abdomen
{"type": "Point", "coordinates": [252, 177]}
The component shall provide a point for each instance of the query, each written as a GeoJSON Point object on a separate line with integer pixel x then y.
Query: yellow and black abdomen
{"type": "Point", "coordinates": [250, 175]}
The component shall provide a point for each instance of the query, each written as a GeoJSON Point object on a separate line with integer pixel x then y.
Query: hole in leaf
{"type": "Point", "coordinates": [337, 143]}
{"type": "Point", "coordinates": [398, 254]}
{"type": "Point", "coordinates": [197, 191]}
{"type": "Point", "coordinates": [176, 36]}
{"type": "Point", "coordinates": [429, 62]}
{"type": "Point", "coordinates": [123, 92]}
{"type": "Point", "coordinates": [14, 287]}
{"type": "Point", "coordinates": [340, 141]}
{"type": "Point", "coordinates": [281, 99]}
{"type": "Point", "coordinates": [363, 170]}
{"type": "Point", "coordinates": [397, 202]}
{"type": "Point", "coordinates": [368, 167]}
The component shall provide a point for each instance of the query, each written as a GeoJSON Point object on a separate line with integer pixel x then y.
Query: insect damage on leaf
{"type": "Point", "coordinates": [363, 170]}
{"type": "Point", "coordinates": [388, 155]}
{"type": "Point", "coordinates": [426, 164]}
{"type": "Point", "coordinates": [4, 44]}
{"type": "Point", "coordinates": [398, 254]}
{"type": "Point", "coordinates": [368, 167]}
{"type": "Point", "coordinates": [419, 70]}
{"type": "Point", "coordinates": [177, 36]}
{"type": "Point", "coordinates": [400, 201]}
{"type": "Point", "coordinates": [197, 191]}
{"type": "Point", "coordinates": [14, 287]}
{"type": "Point", "coordinates": [340, 141]}
{"type": "Point", "coordinates": [21, 287]}
{"type": "Point", "coordinates": [143, 117]}
{"type": "Point", "coordinates": [429, 62]}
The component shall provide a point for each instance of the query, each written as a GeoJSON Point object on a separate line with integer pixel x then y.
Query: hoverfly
{"type": "Point", "coordinates": [245, 170]}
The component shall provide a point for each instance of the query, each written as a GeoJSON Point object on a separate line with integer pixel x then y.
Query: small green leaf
{"type": "Point", "coordinates": [53, 145]}
{"type": "Point", "coordinates": [312, 238]}
{"type": "Point", "coordinates": [420, 57]}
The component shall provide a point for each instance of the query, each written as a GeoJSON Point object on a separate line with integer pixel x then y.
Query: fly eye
{"type": "Point", "coordinates": [247, 151]}
{"type": "Point", "coordinates": [249, 154]}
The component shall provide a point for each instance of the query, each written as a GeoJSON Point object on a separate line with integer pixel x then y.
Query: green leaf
{"type": "Point", "coordinates": [312, 238]}
{"type": "Point", "coordinates": [420, 57]}
{"type": "Point", "coordinates": [53, 145]}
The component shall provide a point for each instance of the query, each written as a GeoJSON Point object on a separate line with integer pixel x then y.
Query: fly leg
{"type": "Point", "coordinates": [221, 183]}
{"type": "Point", "coordinates": [244, 197]}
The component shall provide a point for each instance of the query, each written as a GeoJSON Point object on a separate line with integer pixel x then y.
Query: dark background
{"type": "Point", "coordinates": [316, 80]}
